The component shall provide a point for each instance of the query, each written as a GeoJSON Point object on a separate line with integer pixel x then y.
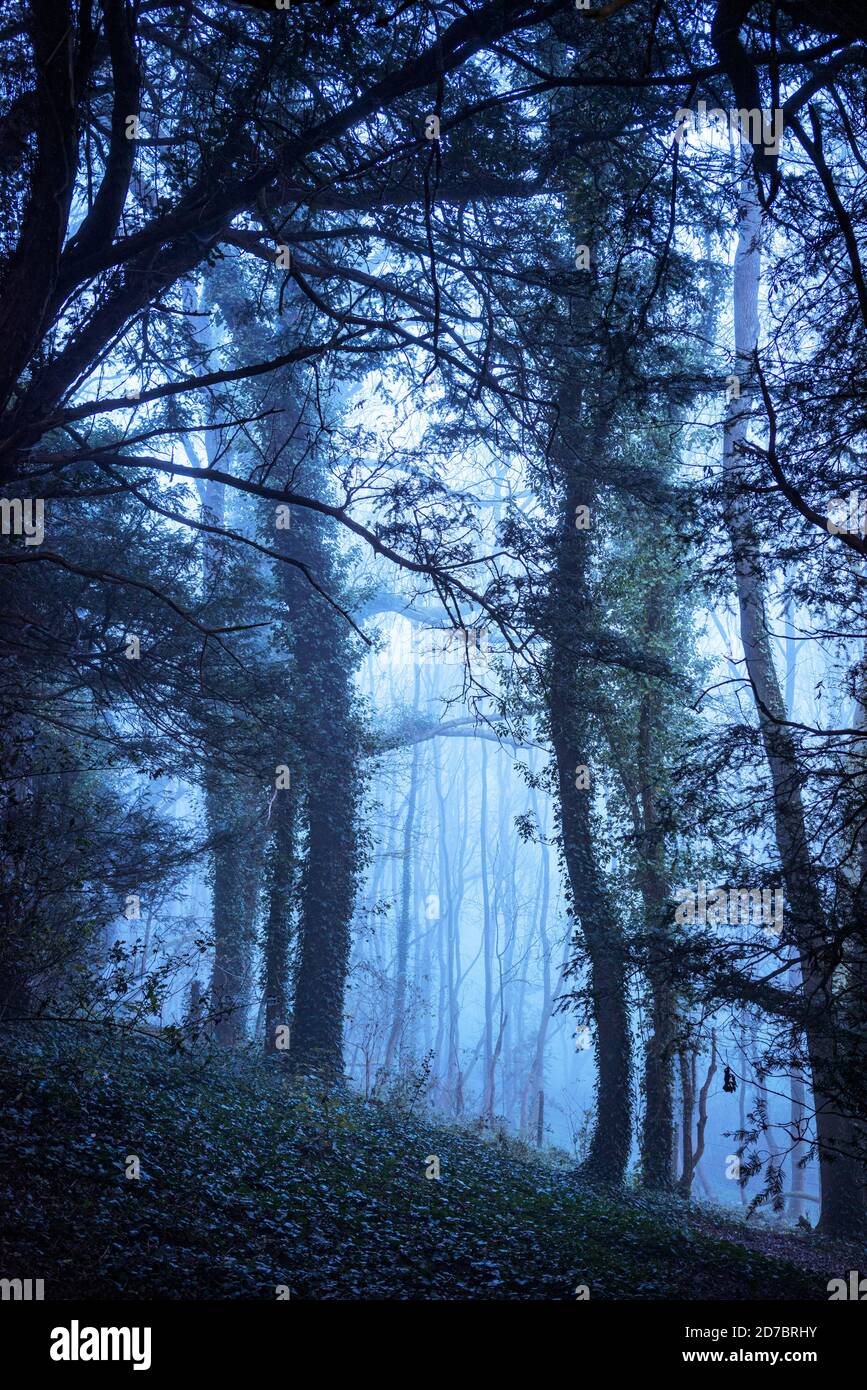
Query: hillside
{"type": "Point", "coordinates": [247, 1183]}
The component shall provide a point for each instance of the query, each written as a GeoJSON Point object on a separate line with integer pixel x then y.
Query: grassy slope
{"type": "Point", "coordinates": [247, 1183]}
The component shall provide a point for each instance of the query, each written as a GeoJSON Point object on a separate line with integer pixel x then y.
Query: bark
{"type": "Point", "coordinates": [326, 729]}
{"type": "Point", "coordinates": [487, 944]}
{"type": "Point", "coordinates": [842, 1191]}
{"type": "Point", "coordinates": [702, 1105]}
{"type": "Point", "coordinates": [693, 1150]}
{"type": "Point", "coordinates": [31, 275]}
{"type": "Point", "coordinates": [404, 915]}
{"type": "Point", "coordinates": [403, 920]}
{"type": "Point", "coordinates": [597, 928]}
{"type": "Point", "coordinates": [799, 1150]}
{"type": "Point", "coordinates": [657, 1134]}
{"type": "Point", "coordinates": [687, 1098]}
{"type": "Point", "coordinates": [509, 899]}
{"type": "Point", "coordinates": [536, 1075]}
{"type": "Point", "coordinates": [278, 926]}
{"type": "Point", "coordinates": [236, 823]}
{"type": "Point", "coordinates": [452, 880]}
{"type": "Point", "coordinates": [328, 898]}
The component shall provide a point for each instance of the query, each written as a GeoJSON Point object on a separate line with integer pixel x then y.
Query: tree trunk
{"type": "Point", "coordinates": [404, 914]}
{"type": "Point", "coordinates": [687, 1100]}
{"type": "Point", "coordinates": [842, 1193]}
{"type": "Point", "coordinates": [236, 872]}
{"type": "Point", "coordinates": [327, 735]}
{"type": "Point", "coordinates": [658, 1128]}
{"type": "Point", "coordinates": [327, 902]}
{"type": "Point", "coordinates": [597, 927]}
{"type": "Point", "coordinates": [278, 926]}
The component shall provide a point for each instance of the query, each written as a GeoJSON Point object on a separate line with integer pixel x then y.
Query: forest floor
{"type": "Point", "coordinates": [248, 1182]}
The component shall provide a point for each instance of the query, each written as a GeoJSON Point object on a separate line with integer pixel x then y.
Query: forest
{"type": "Point", "coordinates": [433, 681]}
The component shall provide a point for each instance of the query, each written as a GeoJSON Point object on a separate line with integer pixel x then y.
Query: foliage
{"type": "Point", "coordinates": [248, 1182]}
